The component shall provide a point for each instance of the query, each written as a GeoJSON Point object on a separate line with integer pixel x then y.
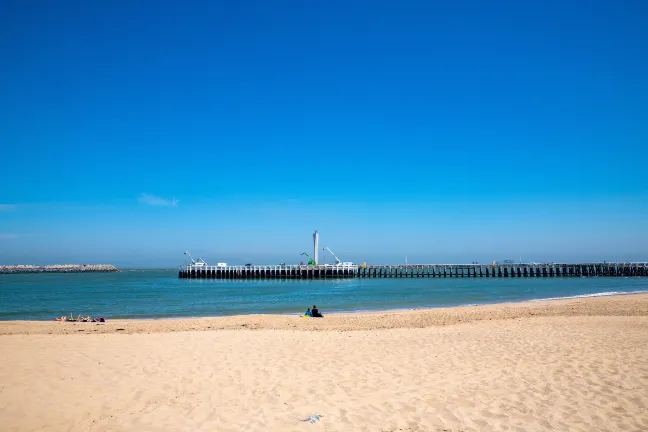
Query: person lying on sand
{"type": "Point", "coordinates": [80, 319]}
{"type": "Point", "coordinates": [74, 319]}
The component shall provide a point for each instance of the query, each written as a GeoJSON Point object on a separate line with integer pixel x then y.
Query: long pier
{"type": "Point", "coordinates": [508, 270]}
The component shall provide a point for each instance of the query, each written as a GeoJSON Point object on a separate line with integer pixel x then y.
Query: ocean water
{"type": "Point", "coordinates": [161, 294]}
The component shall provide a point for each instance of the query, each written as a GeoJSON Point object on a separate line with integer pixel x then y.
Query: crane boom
{"type": "Point", "coordinates": [337, 260]}
{"type": "Point", "coordinates": [200, 262]}
{"type": "Point", "coordinates": [311, 261]}
{"type": "Point", "coordinates": [190, 257]}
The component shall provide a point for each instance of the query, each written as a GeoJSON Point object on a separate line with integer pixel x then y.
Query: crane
{"type": "Point", "coordinates": [311, 261]}
{"type": "Point", "coordinates": [190, 257]}
{"type": "Point", "coordinates": [200, 262]}
{"type": "Point", "coordinates": [337, 260]}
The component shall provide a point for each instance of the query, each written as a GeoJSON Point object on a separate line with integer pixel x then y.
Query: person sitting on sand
{"type": "Point", "coordinates": [315, 313]}
{"type": "Point", "coordinates": [63, 318]}
{"type": "Point", "coordinates": [308, 313]}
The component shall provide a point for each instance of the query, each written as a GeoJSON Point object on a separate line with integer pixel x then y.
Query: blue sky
{"type": "Point", "coordinates": [445, 132]}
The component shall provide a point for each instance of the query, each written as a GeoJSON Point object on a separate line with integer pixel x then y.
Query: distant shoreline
{"type": "Point", "coordinates": [59, 268]}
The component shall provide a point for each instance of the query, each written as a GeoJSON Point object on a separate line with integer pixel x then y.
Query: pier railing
{"type": "Point", "coordinates": [512, 270]}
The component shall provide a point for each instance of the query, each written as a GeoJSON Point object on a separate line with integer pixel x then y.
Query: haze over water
{"type": "Point", "coordinates": [160, 294]}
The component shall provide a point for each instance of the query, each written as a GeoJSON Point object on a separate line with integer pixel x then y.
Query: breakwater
{"type": "Point", "coordinates": [59, 268]}
{"type": "Point", "coordinates": [534, 270]}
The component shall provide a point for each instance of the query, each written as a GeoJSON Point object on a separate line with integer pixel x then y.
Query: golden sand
{"type": "Point", "coordinates": [569, 365]}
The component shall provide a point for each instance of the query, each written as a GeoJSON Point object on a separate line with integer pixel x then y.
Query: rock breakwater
{"type": "Point", "coordinates": [58, 268]}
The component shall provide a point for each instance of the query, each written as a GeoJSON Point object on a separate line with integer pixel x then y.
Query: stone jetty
{"type": "Point", "coordinates": [59, 268]}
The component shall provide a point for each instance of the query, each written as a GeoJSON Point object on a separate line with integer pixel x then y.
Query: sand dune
{"type": "Point", "coordinates": [552, 372]}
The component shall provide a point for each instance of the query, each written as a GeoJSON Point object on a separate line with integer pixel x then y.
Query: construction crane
{"type": "Point", "coordinates": [337, 260]}
{"type": "Point", "coordinates": [200, 261]}
{"type": "Point", "coordinates": [311, 261]}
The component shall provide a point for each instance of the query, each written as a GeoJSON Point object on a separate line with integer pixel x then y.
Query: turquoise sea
{"type": "Point", "coordinates": [161, 294]}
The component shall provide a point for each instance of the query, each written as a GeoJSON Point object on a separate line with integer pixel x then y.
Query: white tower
{"type": "Point", "coordinates": [316, 247]}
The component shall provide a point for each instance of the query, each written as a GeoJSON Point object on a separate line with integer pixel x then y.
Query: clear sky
{"type": "Point", "coordinates": [131, 131]}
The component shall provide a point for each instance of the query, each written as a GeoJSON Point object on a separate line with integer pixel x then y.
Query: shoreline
{"type": "Point", "coordinates": [335, 313]}
{"type": "Point", "coordinates": [357, 311]}
{"type": "Point", "coordinates": [497, 303]}
{"type": "Point", "coordinates": [631, 304]}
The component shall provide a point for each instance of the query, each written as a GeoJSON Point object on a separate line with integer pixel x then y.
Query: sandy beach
{"type": "Point", "coordinates": [577, 364]}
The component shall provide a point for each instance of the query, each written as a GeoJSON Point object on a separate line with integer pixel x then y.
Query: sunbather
{"type": "Point", "coordinates": [78, 318]}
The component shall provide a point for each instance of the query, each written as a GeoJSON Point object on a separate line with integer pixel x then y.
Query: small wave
{"type": "Point", "coordinates": [601, 294]}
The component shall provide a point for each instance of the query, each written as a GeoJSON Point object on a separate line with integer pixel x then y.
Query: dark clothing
{"type": "Point", "coordinates": [316, 314]}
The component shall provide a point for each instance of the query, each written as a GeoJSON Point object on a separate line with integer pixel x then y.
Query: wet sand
{"type": "Point", "coordinates": [577, 364]}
